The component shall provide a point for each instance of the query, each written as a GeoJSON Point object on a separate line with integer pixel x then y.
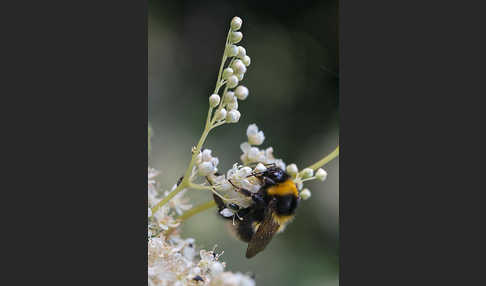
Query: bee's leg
{"type": "Point", "coordinates": [268, 182]}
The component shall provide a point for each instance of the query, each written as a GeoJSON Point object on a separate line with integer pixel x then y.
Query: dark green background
{"type": "Point", "coordinates": [293, 82]}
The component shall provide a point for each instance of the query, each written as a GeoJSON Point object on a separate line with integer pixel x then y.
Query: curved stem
{"type": "Point", "coordinates": [197, 209]}
{"type": "Point", "coordinates": [325, 160]}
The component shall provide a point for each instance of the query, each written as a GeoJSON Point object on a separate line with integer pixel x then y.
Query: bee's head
{"type": "Point", "coordinates": [276, 174]}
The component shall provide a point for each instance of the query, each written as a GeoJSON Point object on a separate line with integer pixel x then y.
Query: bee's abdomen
{"type": "Point", "coordinates": [286, 205]}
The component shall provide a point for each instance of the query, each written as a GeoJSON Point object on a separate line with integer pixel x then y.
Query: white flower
{"type": "Point", "coordinates": [321, 174]}
{"type": "Point", "coordinates": [228, 97]}
{"type": "Point", "coordinates": [241, 52]}
{"type": "Point", "coordinates": [206, 155]}
{"type": "Point", "coordinates": [260, 168]}
{"type": "Point", "coordinates": [307, 173]}
{"type": "Point", "coordinates": [255, 137]}
{"type": "Point", "coordinates": [220, 114]}
{"type": "Point", "coordinates": [227, 72]}
{"type": "Point", "coordinates": [241, 92]}
{"type": "Point", "coordinates": [206, 168]}
{"type": "Point", "coordinates": [238, 67]}
{"type": "Point", "coordinates": [236, 37]}
{"type": "Point", "coordinates": [214, 100]}
{"type": "Point", "coordinates": [232, 81]}
{"type": "Point", "coordinates": [233, 116]}
{"type": "Point", "coordinates": [233, 105]}
{"type": "Point", "coordinates": [240, 76]}
{"type": "Point", "coordinates": [236, 23]}
{"type": "Point", "coordinates": [246, 60]}
{"type": "Point", "coordinates": [232, 50]}
{"type": "Point", "coordinates": [292, 169]}
{"type": "Point", "coordinates": [305, 194]}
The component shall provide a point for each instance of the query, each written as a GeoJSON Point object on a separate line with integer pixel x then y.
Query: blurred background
{"type": "Point", "coordinates": [293, 81]}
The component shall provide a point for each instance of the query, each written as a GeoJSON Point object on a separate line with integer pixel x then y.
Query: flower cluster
{"type": "Point", "coordinates": [231, 76]}
{"type": "Point", "coordinates": [173, 260]}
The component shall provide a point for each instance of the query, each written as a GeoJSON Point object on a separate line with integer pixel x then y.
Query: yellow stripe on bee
{"type": "Point", "coordinates": [286, 188]}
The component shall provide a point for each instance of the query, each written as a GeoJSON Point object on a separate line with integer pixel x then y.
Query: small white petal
{"type": "Point", "coordinates": [205, 169]}
{"type": "Point", "coordinates": [260, 168]}
{"type": "Point", "coordinates": [232, 81]}
{"type": "Point", "coordinates": [227, 72]}
{"type": "Point", "coordinates": [214, 100]}
{"type": "Point", "coordinates": [232, 51]}
{"type": "Point", "coordinates": [233, 116]}
{"type": "Point", "coordinates": [238, 67]}
{"type": "Point", "coordinates": [229, 96]}
{"type": "Point", "coordinates": [292, 169]}
{"type": "Point", "coordinates": [206, 155]}
{"type": "Point", "coordinates": [305, 194]}
{"type": "Point", "coordinates": [221, 114]}
{"type": "Point", "coordinates": [236, 23]}
{"type": "Point", "coordinates": [245, 147]}
{"type": "Point", "coordinates": [307, 173]}
{"type": "Point", "coordinates": [252, 130]}
{"type": "Point", "coordinates": [241, 52]}
{"type": "Point", "coordinates": [321, 174]}
{"type": "Point", "coordinates": [241, 92]}
{"type": "Point", "coordinates": [246, 60]}
{"type": "Point", "coordinates": [236, 37]}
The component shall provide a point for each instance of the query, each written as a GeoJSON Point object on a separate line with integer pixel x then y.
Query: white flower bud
{"type": "Point", "coordinates": [232, 81]}
{"type": "Point", "coordinates": [321, 174]}
{"type": "Point", "coordinates": [241, 52]}
{"type": "Point", "coordinates": [236, 37]}
{"type": "Point", "coordinates": [232, 51]}
{"type": "Point", "coordinates": [233, 116]}
{"type": "Point", "coordinates": [260, 168]}
{"type": "Point", "coordinates": [240, 76]}
{"type": "Point", "coordinates": [228, 97]}
{"type": "Point", "coordinates": [241, 92]}
{"type": "Point", "coordinates": [221, 114]}
{"type": "Point", "coordinates": [238, 67]}
{"type": "Point", "coordinates": [236, 23]}
{"type": "Point", "coordinates": [206, 155]}
{"type": "Point", "coordinates": [227, 72]}
{"type": "Point", "coordinates": [305, 194]}
{"type": "Point", "coordinates": [292, 169]}
{"type": "Point", "coordinates": [255, 137]}
{"type": "Point", "coordinates": [232, 105]}
{"type": "Point", "coordinates": [205, 169]}
{"type": "Point", "coordinates": [246, 60]}
{"type": "Point", "coordinates": [307, 173]}
{"type": "Point", "coordinates": [214, 100]}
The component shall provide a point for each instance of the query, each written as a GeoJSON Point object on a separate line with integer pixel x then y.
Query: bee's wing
{"type": "Point", "coordinates": [264, 234]}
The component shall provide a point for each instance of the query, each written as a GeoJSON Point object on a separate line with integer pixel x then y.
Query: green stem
{"type": "Point", "coordinates": [197, 209]}
{"type": "Point", "coordinates": [325, 160]}
{"type": "Point", "coordinates": [186, 183]}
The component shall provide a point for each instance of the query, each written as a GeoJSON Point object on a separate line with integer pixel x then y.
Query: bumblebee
{"type": "Point", "coordinates": [272, 207]}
